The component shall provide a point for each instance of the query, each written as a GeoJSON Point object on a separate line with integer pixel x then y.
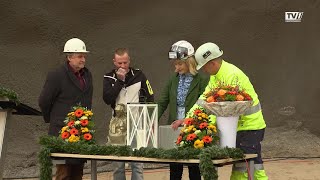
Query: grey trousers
{"type": "Point", "coordinates": [120, 174]}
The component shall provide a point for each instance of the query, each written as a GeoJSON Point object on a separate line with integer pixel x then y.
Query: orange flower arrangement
{"type": "Point", "coordinates": [197, 132]}
{"type": "Point", "coordinates": [227, 93]}
{"type": "Point", "coordinates": [79, 125]}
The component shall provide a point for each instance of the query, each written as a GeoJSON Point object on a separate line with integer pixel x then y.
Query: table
{"type": "Point", "coordinates": [94, 158]}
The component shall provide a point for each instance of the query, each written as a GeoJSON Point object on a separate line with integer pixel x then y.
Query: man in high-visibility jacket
{"type": "Point", "coordinates": [251, 125]}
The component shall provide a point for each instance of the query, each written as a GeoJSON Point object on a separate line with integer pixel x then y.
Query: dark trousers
{"type": "Point", "coordinates": [176, 171]}
{"type": "Point", "coordinates": [250, 143]}
{"type": "Point", "coordinates": [69, 171]}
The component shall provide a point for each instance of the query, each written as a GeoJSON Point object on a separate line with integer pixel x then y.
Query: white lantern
{"type": "Point", "coordinates": [142, 125]}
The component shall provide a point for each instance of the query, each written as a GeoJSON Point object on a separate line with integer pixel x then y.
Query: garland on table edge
{"type": "Point", "coordinates": [52, 144]}
{"type": "Point", "coordinates": [10, 94]}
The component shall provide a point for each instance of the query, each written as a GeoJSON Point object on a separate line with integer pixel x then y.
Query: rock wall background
{"type": "Point", "coordinates": [281, 59]}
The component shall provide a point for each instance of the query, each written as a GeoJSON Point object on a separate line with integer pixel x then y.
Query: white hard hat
{"type": "Point", "coordinates": [207, 52]}
{"type": "Point", "coordinates": [181, 50]}
{"type": "Point", "coordinates": [75, 45]}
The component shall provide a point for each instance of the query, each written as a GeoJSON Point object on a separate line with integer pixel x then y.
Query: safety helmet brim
{"type": "Point", "coordinates": [76, 51]}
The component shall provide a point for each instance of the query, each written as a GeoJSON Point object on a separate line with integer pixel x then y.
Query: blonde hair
{"type": "Point", "coordinates": [192, 64]}
{"type": "Point", "coordinates": [121, 51]}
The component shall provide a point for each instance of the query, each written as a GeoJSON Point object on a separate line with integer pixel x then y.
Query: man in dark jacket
{"type": "Point", "coordinates": [121, 86]}
{"type": "Point", "coordinates": [65, 87]}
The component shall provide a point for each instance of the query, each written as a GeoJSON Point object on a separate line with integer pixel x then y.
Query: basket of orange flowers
{"type": "Point", "coordinates": [227, 103]}
{"type": "Point", "coordinates": [227, 100]}
{"type": "Point", "coordinates": [197, 132]}
{"type": "Point", "coordinates": [79, 125]}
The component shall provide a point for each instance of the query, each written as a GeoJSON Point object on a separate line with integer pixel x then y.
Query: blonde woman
{"type": "Point", "coordinates": [180, 93]}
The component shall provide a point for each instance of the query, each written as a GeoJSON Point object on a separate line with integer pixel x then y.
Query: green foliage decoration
{"type": "Point", "coordinates": [52, 144]}
{"type": "Point", "coordinates": [10, 94]}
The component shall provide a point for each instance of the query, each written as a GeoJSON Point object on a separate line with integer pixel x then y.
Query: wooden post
{"type": "Point", "coordinates": [7, 108]}
{"type": "Point", "coordinates": [4, 116]}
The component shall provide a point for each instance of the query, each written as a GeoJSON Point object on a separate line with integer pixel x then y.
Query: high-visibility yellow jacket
{"type": "Point", "coordinates": [230, 74]}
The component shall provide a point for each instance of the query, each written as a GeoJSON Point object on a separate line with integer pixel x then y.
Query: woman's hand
{"type": "Point", "coordinates": [176, 124]}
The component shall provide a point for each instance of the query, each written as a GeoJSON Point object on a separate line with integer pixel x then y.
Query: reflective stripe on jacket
{"type": "Point", "coordinates": [231, 75]}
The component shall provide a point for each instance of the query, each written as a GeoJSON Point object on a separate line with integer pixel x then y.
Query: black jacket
{"type": "Point", "coordinates": [136, 84]}
{"type": "Point", "coordinates": [60, 93]}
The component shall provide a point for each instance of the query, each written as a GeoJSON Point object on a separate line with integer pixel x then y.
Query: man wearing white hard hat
{"type": "Point", "coordinates": [65, 87]}
{"type": "Point", "coordinates": [251, 125]}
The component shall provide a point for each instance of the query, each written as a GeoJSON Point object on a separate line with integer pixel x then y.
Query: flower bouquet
{"type": "Point", "coordinates": [79, 125]}
{"type": "Point", "coordinates": [227, 103]}
{"type": "Point", "coordinates": [227, 100]}
{"type": "Point", "coordinates": [197, 132]}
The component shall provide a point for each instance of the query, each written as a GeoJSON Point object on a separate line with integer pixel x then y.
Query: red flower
{"type": "Point", "coordinates": [74, 131]}
{"type": "Point", "coordinates": [188, 121]}
{"type": "Point", "coordinates": [197, 111]}
{"type": "Point", "coordinates": [84, 122]}
{"type": "Point", "coordinates": [191, 137]}
{"type": "Point", "coordinates": [87, 136]}
{"type": "Point", "coordinates": [203, 125]}
{"type": "Point", "coordinates": [232, 92]}
{"type": "Point", "coordinates": [179, 140]}
{"type": "Point", "coordinates": [65, 135]}
{"type": "Point", "coordinates": [78, 113]}
{"type": "Point", "coordinates": [71, 123]}
{"type": "Point", "coordinates": [207, 139]}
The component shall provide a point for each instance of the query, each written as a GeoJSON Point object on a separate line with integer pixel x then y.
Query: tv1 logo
{"type": "Point", "coordinates": [293, 16]}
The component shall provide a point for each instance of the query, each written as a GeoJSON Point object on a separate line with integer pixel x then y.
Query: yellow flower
{"type": "Point", "coordinates": [71, 114]}
{"type": "Point", "coordinates": [74, 138]}
{"type": "Point", "coordinates": [190, 128]}
{"type": "Point", "coordinates": [194, 129]}
{"type": "Point", "coordinates": [213, 128]}
{"type": "Point", "coordinates": [200, 118]}
{"type": "Point", "coordinates": [204, 116]}
{"type": "Point", "coordinates": [209, 132]}
{"type": "Point", "coordinates": [83, 130]}
{"type": "Point", "coordinates": [198, 144]}
{"type": "Point", "coordinates": [182, 130]}
{"type": "Point", "coordinates": [65, 128]}
{"type": "Point", "coordinates": [88, 113]}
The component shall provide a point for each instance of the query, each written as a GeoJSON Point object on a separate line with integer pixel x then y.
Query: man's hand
{"type": "Point", "coordinates": [176, 124]}
{"type": "Point", "coordinates": [121, 74]}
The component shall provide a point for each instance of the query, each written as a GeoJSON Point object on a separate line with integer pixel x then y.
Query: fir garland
{"type": "Point", "coordinates": [57, 145]}
{"type": "Point", "coordinates": [10, 94]}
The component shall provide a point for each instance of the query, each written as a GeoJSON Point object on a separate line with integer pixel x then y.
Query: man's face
{"type": "Point", "coordinates": [77, 60]}
{"type": "Point", "coordinates": [209, 68]}
{"type": "Point", "coordinates": [122, 61]}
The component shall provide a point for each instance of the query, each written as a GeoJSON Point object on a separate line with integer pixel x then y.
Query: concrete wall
{"type": "Point", "coordinates": [281, 59]}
